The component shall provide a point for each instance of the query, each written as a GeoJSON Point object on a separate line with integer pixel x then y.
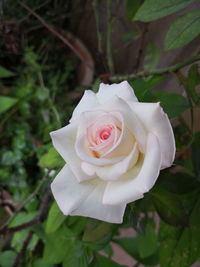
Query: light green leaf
{"type": "Point", "coordinates": [77, 255]}
{"type": "Point", "coordinates": [155, 9]}
{"type": "Point", "coordinates": [55, 219]}
{"type": "Point", "coordinates": [51, 159]}
{"type": "Point", "coordinates": [183, 30]}
{"type": "Point", "coordinates": [4, 73]}
{"type": "Point", "coordinates": [6, 103]}
{"type": "Point", "coordinates": [58, 245]}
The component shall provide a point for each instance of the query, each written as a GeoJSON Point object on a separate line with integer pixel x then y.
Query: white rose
{"type": "Point", "coordinates": [114, 148]}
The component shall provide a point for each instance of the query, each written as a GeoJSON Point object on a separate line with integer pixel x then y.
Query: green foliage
{"type": "Point", "coordinates": [144, 247]}
{"type": "Point", "coordinates": [6, 103]}
{"type": "Point", "coordinates": [7, 258]}
{"type": "Point", "coordinates": [100, 260]}
{"type": "Point", "coordinates": [183, 30]}
{"type": "Point", "coordinates": [51, 159]}
{"type": "Point", "coordinates": [4, 73]}
{"type": "Point", "coordinates": [55, 219]}
{"type": "Point", "coordinates": [156, 9]}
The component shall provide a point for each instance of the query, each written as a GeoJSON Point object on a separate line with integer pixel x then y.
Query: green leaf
{"type": "Point", "coordinates": [7, 258]}
{"type": "Point", "coordinates": [147, 243]}
{"type": "Point", "coordinates": [96, 230]}
{"type": "Point", "coordinates": [51, 159]}
{"type": "Point", "coordinates": [101, 261]}
{"type": "Point", "coordinates": [131, 246]}
{"type": "Point", "coordinates": [142, 86]}
{"type": "Point", "coordinates": [77, 255]}
{"type": "Point", "coordinates": [132, 7]}
{"type": "Point", "coordinates": [171, 183]}
{"type": "Point", "coordinates": [173, 104]}
{"type": "Point", "coordinates": [183, 30]}
{"type": "Point", "coordinates": [55, 219]}
{"type": "Point", "coordinates": [151, 58]}
{"type": "Point", "coordinates": [4, 73]}
{"type": "Point", "coordinates": [179, 246]}
{"type": "Point", "coordinates": [155, 9]}
{"type": "Point", "coordinates": [6, 103]}
{"type": "Point", "coordinates": [170, 208]}
{"type": "Point", "coordinates": [41, 263]}
{"type": "Point", "coordinates": [58, 245]}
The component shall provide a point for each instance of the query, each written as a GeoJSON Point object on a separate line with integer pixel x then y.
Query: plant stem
{"type": "Point", "coordinates": [99, 37]}
{"type": "Point", "coordinates": [109, 37]}
{"type": "Point", "coordinates": [169, 69]}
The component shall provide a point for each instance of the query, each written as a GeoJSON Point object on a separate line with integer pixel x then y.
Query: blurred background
{"type": "Point", "coordinates": [50, 52]}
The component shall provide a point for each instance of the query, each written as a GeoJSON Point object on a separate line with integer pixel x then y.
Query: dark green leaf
{"type": "Point", "coordinates": [179, 246]}
{"type": "Point", "coordinates": [173, 104]}
{"type": "Point", "coordinates": [6, 103]}
{"type": "Point", "coordinates": [101, 261]}
{"type": "Point", "coordinates": [132, 7]}
{"type": "Point", "coordinates": [51, 159]}
{"type": "Point", "coordinates": [171, 183]}
{"type": "Point", "coordinates": [55, 219]}
{"type": "Point", "coordinates": [142, 86]}
{"type": "Point", "coordinates": [155, 9]}
{"type": "Point", "coordinates": [170, 207]}
{"type": "Point", "coordinates": [195, 155]}
{"type": "Point", "coordinates": [183, 30]}
{"type": "Point", "coordinates": [4, 73]}
{"type": "Point", "coordinates": [131, 246]}
{"type": "Point", "coordinates": [7, 258]}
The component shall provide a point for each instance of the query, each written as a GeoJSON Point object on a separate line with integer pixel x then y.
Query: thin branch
{"type": "Point", "coordinates": [39, 217]}
{"type": "Point", "coordinates": [169, 69]}
{"type": "Point", "coordinates": [52, 30]}
{"type": "Point", "coordinates": [26, 201]}
{"type": "Point", "coordinates": [23, 250]}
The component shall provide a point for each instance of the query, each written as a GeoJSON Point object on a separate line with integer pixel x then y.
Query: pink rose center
{"type": "Point", "coordinates": [105, 133]}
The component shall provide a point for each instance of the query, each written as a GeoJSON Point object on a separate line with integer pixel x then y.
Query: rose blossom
{"type": "Point", "coordinates": [114, 148]}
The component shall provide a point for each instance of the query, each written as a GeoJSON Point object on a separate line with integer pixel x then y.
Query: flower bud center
{"type": "Point", "coordinates": [105, 133]}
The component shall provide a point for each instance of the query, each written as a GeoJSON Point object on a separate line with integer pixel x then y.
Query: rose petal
{"type": "Point", "coordinates": [84, 199]}
{"type": "Point", "coordinates": [139, 179]}
{"type": "Point", "coordinates": [64, 142]}
{"type": "Point", "coordinates": [112, 172]}
{"type": "Point", "coordinates": [87, 102]}
{"type": "Point", "coordinates": [123, 90]}
{"type": "Point", "coordinates": [157, 122]}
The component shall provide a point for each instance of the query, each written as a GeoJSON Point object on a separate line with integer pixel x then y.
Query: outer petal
{"type": "Point", "coordinates": [157, 122]}
{"type": "Point", "coordinates": [113, 172]}
{"type": "Point", "coordinates": [123, 90]}
{"type": "Point", "coordinates": [87, 102]}
{"type": "Point", "coordinates": [64, 142]}
{"type": "Point", "coordinates": [139, 179]}
{"type": "Point", "coordinates": [84, 199]}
